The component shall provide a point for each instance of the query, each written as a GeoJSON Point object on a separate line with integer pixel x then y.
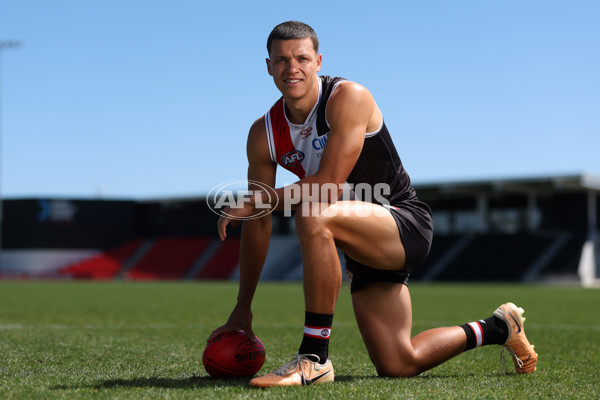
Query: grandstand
{"type": "Point", "coordinates": [542, 229]}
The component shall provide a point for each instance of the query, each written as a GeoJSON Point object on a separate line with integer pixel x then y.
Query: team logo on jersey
{"type": "Point", "coordinates": [292, 158]}
{"type": "Point", "coordinates": [306, 132]}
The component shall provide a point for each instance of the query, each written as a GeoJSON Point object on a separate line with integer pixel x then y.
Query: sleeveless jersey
{"type": "Point", "coordinates": [299, 147]}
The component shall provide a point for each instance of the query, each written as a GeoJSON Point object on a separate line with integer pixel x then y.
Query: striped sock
{"type": "Point", "coordinates": [491, 330]}
{"type": "Point", "coordinates": [317, 328]}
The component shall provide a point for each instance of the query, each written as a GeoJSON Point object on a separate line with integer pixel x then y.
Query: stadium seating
{"type": "Point", "coordinates": [223, 262]}
{"type": "Point", "coordinates": [440, 248]}
{"type": "Point", "coordinates": [284, 258]}
{"type": "Point", "coordinates": [103, 266]}
{"type": "Point", "coordinates": [168, 258]}
{"type": "Point", "coordinates": [453, 258]}
{"type": "Point", "coordinates": [492, 257]}
{"type": "Point", "coordinates": [568, 259]}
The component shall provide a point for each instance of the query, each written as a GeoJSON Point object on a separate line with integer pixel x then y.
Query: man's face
{"type": "Point", "coordinates": [294, 65]}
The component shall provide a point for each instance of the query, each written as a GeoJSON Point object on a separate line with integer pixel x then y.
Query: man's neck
{"type": "Point", "coordinates": [297, 110]}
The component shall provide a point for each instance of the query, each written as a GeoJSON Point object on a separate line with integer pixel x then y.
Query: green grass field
{"type": "Point", "coordinates": [61, 340]}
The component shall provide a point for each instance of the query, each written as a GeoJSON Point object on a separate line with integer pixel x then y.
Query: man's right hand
{"type": "Point", "coordinates": [240, 319]}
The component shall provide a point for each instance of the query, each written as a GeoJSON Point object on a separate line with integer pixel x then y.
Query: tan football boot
{"type": "Point", "coordinates": [523, 355]}
{"type": "Point", "coordinates": [299, 371]}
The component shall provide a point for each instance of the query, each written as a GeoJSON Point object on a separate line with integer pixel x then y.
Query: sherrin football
{"type": "Point", "coordinates": [233, 354]}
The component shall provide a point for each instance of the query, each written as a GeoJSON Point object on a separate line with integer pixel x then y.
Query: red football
{"type": "Point", "coordinates": [233, 354]}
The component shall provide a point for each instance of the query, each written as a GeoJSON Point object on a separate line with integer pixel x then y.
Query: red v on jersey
{"type": "Point", "coordinates": [281, 147]}
{"type": "Point", "coordinates": [299, 147]}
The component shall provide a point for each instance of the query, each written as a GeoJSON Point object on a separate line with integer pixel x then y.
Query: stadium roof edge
{"type": "Point", "coordinates": [568, 182]}
{"type": "Point", "coordinates": [590, 181]}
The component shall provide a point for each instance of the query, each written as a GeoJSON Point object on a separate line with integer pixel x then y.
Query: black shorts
{"type": "Point", "coordinates": [415, 226]}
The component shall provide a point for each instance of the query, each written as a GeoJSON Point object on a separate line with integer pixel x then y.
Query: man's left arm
{"type": "Point", "coordinates": [349, 112]}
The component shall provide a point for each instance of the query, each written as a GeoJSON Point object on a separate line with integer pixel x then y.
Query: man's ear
{"type": "Point", "coordinates": [269, 66]}
{"type": "Point", "coordinates": [319, 61]}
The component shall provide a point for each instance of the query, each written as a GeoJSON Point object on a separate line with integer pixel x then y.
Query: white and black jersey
{"type": "Point", "coordinates": [299, 147]}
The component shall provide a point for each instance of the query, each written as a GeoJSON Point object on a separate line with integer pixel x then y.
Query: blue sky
{"type": "Point", "coordinates": [148, 99]}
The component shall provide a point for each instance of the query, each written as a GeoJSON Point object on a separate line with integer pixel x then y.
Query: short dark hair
{"type": "Point", "coordinates": [292, 30]}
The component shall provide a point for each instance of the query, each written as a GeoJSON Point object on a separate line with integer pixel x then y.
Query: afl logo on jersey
{"type": "Point", "coordinates": [292, 158]}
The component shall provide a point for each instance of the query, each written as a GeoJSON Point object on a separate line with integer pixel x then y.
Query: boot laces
{"type": "Point", "coordinates": [296, 360]}
{"type": "Point", "coordinates": [514, 356]}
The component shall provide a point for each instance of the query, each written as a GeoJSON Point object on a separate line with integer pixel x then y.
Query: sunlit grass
{"type": "Point", "coordinates": [145, 340]}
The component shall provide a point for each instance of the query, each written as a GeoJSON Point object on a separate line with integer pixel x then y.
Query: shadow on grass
{"type": "Point", "coordinates": [354, 378]}
{"type": "Point", "coordinates": [193, 382]}
{"type": "Point", "coordinates": [196, 382]}
{"type": "Point", "coordinates": [155, 382]}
